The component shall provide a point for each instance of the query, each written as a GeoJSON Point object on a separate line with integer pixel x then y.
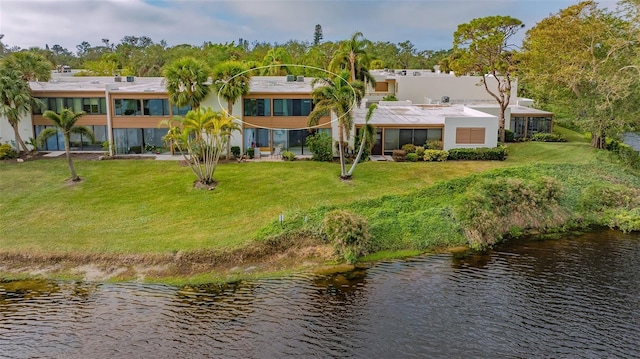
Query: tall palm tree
{"type": "Point", "coordinates": [15, 100]}
{"type": "Point", "coordinates": [187, 82]}
{"type": "Point", "coordinates": [65, 122]}
{"type": "Point", "coordinates": [32, 66]}
{"type": "Point", "coordinates": [352, 54]}
{"type": "Point", "coordinates": [339, 96]}
{"type": "Point", "coordinates": [231, 79]}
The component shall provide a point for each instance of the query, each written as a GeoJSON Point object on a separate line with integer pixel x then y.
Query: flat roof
{"type": "Point", "coordinates": [524, 110]}
{"type": "Point", "coordinates": [403, 115]}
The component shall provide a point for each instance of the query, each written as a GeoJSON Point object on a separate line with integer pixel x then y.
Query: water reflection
{"type": "Point", "coordinates": [574, 297]}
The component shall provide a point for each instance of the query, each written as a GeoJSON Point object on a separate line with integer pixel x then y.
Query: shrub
{"type": "Point", "coordinates": [420, 151]}
{"type": "Point", "coordinates": [391, 97]}
{"type": "Point", "coordinates": [509, 136]}
{"type": "Point", "coordinates": [625, 154]}
{"type": "Point", "coordinates": [479, 154]}
{"type": "Point", "coordinates": [412, 157]}
{"type": "Point", "coordinates": [320, 146]}
{"type": "Point", "coordinates": [251, 152]}
{"type": "Point", "coordinates": [409, 148]}
{"type": "Point", "coordinates": [434, 145]}
{"type": "Point", "coordinates": [288, 156]}
{"type": "Point", "coordinates": [548, 137]}
{"type": "Point", "coordinates": [7, 152]}
{"type": "Point", "coordinates": [235, 150]}
{"type": "Point", "coordinates": [348, 232]}
{"type": "Point", "coordinates": [399, 155]}
{"type": "Point", "coordinates": [435, 155]}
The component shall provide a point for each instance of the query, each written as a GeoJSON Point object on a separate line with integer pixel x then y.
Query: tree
{"type": "Point", "coordinates": [65, 122]}
{"type": "Point", "coordinates": [15, 100]}
{"type": "Point", "coordinates": [317, 35]}
{"type": "Point", "coordinates": [368, 138]}
{"type": "Point", "coordinates": [200, 136]}
{"type": "Point", "coordinates": [276, 60]}
{"type": "Point", "coordinates": [577, 61]}
{"type": "Point", "coordinates": [407, 53]}
{"type": "Point", "coordinates": [339, 96]}
{"type": "Point", "coordinates": [32, 66]}
{"type": "Point", "coordinates": [482, 47]}
{"type": "Point", "coordinates": [352, 55]}
{"type": "Point", "coordinates": [231, 80]}
{"type": "Point", "coordinates": [187, 82]}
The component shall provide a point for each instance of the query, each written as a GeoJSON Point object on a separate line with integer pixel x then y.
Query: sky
{"type": "Point", "coordinates": [428, 24]}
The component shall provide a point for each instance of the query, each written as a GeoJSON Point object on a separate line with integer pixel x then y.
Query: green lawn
{"type": "Point", "coordinates": [145, 206]}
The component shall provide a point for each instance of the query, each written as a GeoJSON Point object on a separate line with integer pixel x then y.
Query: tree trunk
{"type": "Point", "coordinates": [19, 142]}
{"type": "Point", "coordinates": [229, 109]}
{"type": "Point", "coordinates": [352, 62]}
{"type": "Point", "coordinates": [343, 170]}
{"type": "Point", "coordinates": [355, 162]}
{"type": "Point", "coordinates": [598, 141]}
{"type": "Point", "coordinates": [501, 125]}
{"type": "Point", "coordinates": [67, 150]}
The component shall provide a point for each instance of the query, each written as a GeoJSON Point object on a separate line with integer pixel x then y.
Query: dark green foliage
{"type": "Point", "coordinates": [288, 156]}
{"type": "Point", "coordinates": [435, 155]}
{"type": "Point", "coordinates": [479, 154]}
{"type": "Point", "coordinates": [548, 137]}
{"type": "Point", "coordinates": [391, 97]}
{"type": "Point", "coordinates": [409, 148]}
{"type": "Point", "coordinates": [251, 152]}
{"type": "Point", "coordinates": [626, 154]}
{"type": "Point", "coordinates": [320, 146]}
{"type": "Point", "coordinates": [348, 232]}
{"type": "Point", "coordinates": [412, 157]}
{"type": "Point", "coordinates": [509, 136]}
{"type": "Point", "coordinates": [235, 151]}
{"type": "Point", "coordinates": [399, 155]}
{"type": "Point", "coordinates": [420, 151]}
{"type": "Point", "coordinates": [7, 152]}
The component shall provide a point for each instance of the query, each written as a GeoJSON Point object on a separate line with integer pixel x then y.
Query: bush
{"type": "Point", "coordinates": [625, 154]}
{"type": "Point", "coordinates": [412, 157]}
{"type": "Point", "coordinates": [479, 154]}
{"type": "Point", "coordinates": [348, 232]}
{"type": "Point", "coordinates": [420, 151]}
{"type": "Point", "coordinates": [235, 150]}
{"type": "Point", "coordinates": [434, 145]}
{"type": "Point", "coordinates": [7, 152]}
{"type": "Point", "coordinates": [251, 152]}
{"type": "Point", "coordinates": [409, 148]}
{"type": "Point", "coordinates": [391, 97]}
{"type": "Point", "coordinates": [548, 137]}
{"type": "Point", "coordinates": [320, 146]}
{"type": "Point", "coordinates": [399, 155]}
{"type": "Point", "coordinates": [509, 136]}
{"type": "Point", "coordinates": [435, 155]}
{"type": "Point", "coordinates": [288, 156]}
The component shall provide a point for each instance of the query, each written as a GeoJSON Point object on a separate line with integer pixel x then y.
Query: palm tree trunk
{"type": "Point", "coordinates": [67, 145]}
{"type": "Point", "coordinates": [229, 109]}
{"type": "Point", "coordinates": [355, 162]}
{"type": "Point", "coordinates": [352, 62]}
{"type": "Point", "coordinates": [19, 142]}
{"type": "Point", "coordinates": [343, 169]}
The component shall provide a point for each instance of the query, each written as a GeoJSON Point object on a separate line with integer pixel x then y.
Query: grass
{"type": "Point", "coordinates": [145, 207]}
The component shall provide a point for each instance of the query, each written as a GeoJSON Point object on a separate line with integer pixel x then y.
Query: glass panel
{"type": "Point", "coordinates": [134, 138]}
{"type": "Point", "coordinates": [263, 138]}
{"type": "Point", "coordinates": [59, 104]}
{"type": "Point", "coordinates": [38, 110]}
{"type": "Point", "coordinates": [434, 134]}
{"type": "Point", "coordinates": [103, 106]}
{"type": "Point", "coordinates": [391, 140]}
{"type": "Point", "coordinates": [120, 140]}
{"type": "Point", "coordinates": [406, 136]}
{"type": "Point", "coordinates": [249, 137]}
{"type": "Point", "coordinates": [296, 141]}
{"type": "Point", "coordinates": [180, 111]}
{"type": "Point", "coordinates": [77, 104]}
{"type": "Point", "coordinates": [94, 105]}
{"type": "Point", "coordinates": [153, 139]}
{"type": "Point", "coordinates": [280, 139]}
{"type": "Point", "coordinates": [100, 134]}
{"type": "Point", "coordinates": [419, 137]}
{"type": "Point", "coordinates": [76, 141]}
{"type": "Point", "coordinates": [154, 107]}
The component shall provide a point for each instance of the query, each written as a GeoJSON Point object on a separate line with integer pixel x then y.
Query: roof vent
{"type": "Point", "coordinates": [290, 78]}
{"type": "Point", "coordinates": [300, 79]}
{"type": "Point", "coordinates": [445, 99]}
{"type": "Point", "coordinates": [416, 73]}
{"type": "Point", "coordinates": [117, 79]}
{"type": "Point", "coordinates": [130, 78]}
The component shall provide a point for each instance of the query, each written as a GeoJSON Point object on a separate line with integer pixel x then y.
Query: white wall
{"type": "Point", "coordinates": [495, 110]}
{"type": "Point", "coordinates": [463, 89]}
{"type": "Point", "coordinates": [488, 122]}
{"type": "Point", "coordinates": [219, 104]}
{"type": "Point", "coordinates": [25, 128]}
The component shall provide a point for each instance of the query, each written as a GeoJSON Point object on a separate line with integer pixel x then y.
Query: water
{"type": "Point", "coordinates": [632, 139]}
{"type": "Point", "coordinates": [575, 297]}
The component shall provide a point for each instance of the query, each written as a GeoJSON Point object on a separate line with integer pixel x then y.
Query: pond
{"type": "Point", "coordinates": [578, 296]}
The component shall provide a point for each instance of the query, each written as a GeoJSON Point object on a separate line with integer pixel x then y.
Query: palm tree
{"type": "Point", "coordinates": [275, 62]}
{"type": "Point", "coordinates": [352, 54]}
{"type": "Point", "coordinates": [338, 96]}
{"type": "Point", "coordinates": [200, 134]}
{"type": "Point", "coordinates": [15, 100]}
{"type": "Point", "coordinates": [186, 82]}
{"type": "Point", "coordinates": [32, 66]}
{"type": "Point", "coordinates": [368, 138]}
{"type": "Point", "coordinates": [65, 122]}
{"type": "Point", "coordinates": [231, 79]}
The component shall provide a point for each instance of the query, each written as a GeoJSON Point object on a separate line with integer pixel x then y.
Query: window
{"type": "Point", "coordinates": [92, 105]}
{"type": "Point", "coordinates": [257, 107]}
{"type": "Point", "coordinates": [156, 107]}
{"type": "Point", "coordinates": [382, 86]}
{"type": "Point", "coordinates": [470, 135]}
{"type": "Point", "coordinates": [180, 111]}
{"type": "Point", "coordinates": [292, 107]}
{"type": "Point", "coordinates": [127, 107]}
